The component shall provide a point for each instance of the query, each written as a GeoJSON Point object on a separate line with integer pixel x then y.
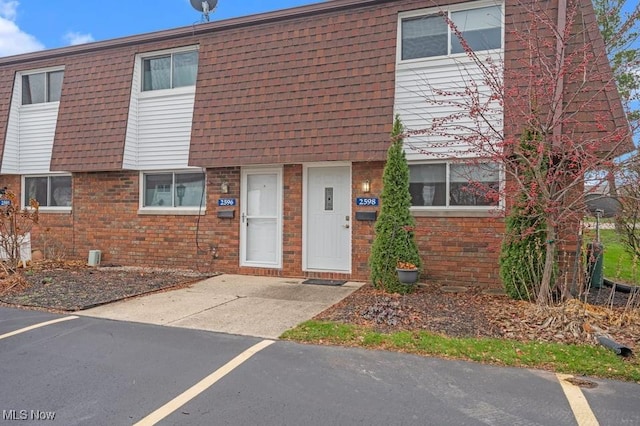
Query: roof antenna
{"type": "Point", "coordinates": [205, 6]}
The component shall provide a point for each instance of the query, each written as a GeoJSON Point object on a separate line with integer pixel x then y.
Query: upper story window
{"type": "Point", "coordinates": [170, 71]}
{"type": "Point", "coordinates": [48, 191]}
{"type": "Point", "coordinates": [429, 35]}
{"type": "Point", "coordinates": [173, 189]}
{"type": "Point", "coordinates": [454, 184]}
{"type": "Point", "coordinates": [42, 87]}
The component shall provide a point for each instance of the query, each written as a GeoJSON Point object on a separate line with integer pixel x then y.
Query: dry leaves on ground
{"type": "Point", "coordinates": [474, 314]}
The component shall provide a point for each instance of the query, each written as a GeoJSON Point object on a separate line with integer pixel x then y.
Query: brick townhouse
{"type": "Point", "coordinates": [249, 145]}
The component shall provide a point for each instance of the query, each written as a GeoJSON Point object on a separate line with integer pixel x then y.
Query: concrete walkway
{"type": "Point", "coordinates": [235, 304]}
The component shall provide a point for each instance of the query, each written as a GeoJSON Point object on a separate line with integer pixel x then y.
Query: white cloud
{"type": "Point", "coordinates": [8, 9]}
{"type": "Point", "coordinates": [13, 40]}
{"type": "Point", "coordinates": [74, 38]}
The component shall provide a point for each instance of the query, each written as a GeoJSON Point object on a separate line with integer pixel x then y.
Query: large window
{"type": "Point", "coordinates": [42, 87]}
{"type": "Point", "coordinates": [170, 71]}
{"type": "Point", "coordinates": [173, 189]}
{"type": "Point", "coordinates": [430, 35]}
{"type": "Point", "coordinates": [48, 191]}
{"type": "Point", "coordinates": [454, 184]}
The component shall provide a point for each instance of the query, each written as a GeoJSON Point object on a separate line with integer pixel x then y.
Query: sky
{"type": "Point", "coordinates": [31, 25]}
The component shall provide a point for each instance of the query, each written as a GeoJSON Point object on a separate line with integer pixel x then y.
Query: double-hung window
{"type": "Point", "coordinates": [170, 71]}
{"type": "Point", "coordinates": [430, 35]}
{"type": "Point", "coordinates": [173, 190]}
{"type": "Point", "coordinates": [454, 185]}
{"type": "Point", "coordinates": [42, 87]}
{"type": "Point", "coordinates": [49, 191]}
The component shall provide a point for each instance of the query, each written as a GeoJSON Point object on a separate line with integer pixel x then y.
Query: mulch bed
{"type": "Point", "coordinates": [72, 286]}
{"type": "Point", "coordinates": [474, 314]}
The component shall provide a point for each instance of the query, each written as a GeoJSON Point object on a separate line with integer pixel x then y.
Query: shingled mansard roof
{"type": "Point", "coordinates": [312, 83]}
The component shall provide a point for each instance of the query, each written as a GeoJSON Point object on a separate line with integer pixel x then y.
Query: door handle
{"type": "Point", "coordinates": [346, 225]}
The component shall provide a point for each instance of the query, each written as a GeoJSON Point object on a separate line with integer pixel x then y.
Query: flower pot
{"type": "Point", "coordinates": [407, 276]}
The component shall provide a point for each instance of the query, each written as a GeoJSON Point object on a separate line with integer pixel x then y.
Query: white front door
{"type": "Point", "coordinates": [261, 218]}
{"type": "Point", "coordinates": [328, 219]}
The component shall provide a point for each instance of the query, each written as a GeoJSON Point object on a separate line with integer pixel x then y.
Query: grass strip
{"type": "Point", "coordinates": [618, 264]}
{"type": "Point", "coordinates": [585, 360]}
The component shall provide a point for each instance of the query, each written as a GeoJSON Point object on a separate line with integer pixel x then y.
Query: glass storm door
{"type": "Point", "coordinates": [261, 218]}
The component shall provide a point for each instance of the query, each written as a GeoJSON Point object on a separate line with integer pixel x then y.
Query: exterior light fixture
{"type": "Point", "coordinates": [224, 187]}
{"type": "Point", "coordinates": [180, 189]}
{"type": "Point", "coordinates": [366, 186]}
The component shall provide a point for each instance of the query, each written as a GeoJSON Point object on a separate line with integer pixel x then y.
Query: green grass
{"type": "Point", "coordinates": [594, 361]}
{"type": "Point", "coordinates": [618, 264]}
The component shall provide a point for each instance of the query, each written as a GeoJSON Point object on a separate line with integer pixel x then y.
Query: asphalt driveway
{"type": "Point", "coordinates": [70, 370]}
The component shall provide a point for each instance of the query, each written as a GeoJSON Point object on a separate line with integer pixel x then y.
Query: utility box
{"type": "Point", "coordinates": [594, 264]}
{"type": "Point", "coordinates": [95, 256]}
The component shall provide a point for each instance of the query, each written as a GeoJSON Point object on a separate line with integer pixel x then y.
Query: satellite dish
{"type": "Point", "coordinates": [204, 6]}
{"type": "Point", "coordinates": [602, 205]}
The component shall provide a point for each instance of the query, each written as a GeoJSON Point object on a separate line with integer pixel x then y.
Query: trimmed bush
{"type": "Point", "coordinates": [523, 251]}
{"type": "Point", "coordinates": [394, 230]}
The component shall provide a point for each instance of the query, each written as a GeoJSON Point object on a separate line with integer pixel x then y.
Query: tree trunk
{"type": "Point", "coordinates": [544, 291]}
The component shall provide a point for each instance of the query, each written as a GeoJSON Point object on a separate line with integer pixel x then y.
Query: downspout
{"type": "Point", "coordinates": [559, 95]}
{"type": "Point", "coordinates": [559, 92]}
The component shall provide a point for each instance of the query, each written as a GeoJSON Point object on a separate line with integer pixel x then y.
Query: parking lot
{"type": "Point", "coordinates": [79, 370]}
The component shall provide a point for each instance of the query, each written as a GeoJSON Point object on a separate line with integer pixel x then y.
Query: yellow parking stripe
{"type": "Point", "coordinates": [579, 405]}
{"type": "Point", "coordinates": [202, 385]}
{"type": "Point", "coordinates": [33, 327]}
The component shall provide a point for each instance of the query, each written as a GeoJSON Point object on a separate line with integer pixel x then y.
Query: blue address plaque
{"type": "Point", "coordinates": [5, 202]}
{"type": "Point", "coordinates": [373, 202]}
{"type": "Point", "coordinates": [227, 202]}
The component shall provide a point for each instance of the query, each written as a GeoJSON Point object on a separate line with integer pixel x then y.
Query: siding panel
{"type": "Point", "coordinates": [37, 129]}
{"type": "Point", "coordinates": [419, 100]}
{"type": "Point", "coordinates": [11, 146]}
{"type": "Point", "coordinates": [164, 131]}
{"type": "Point", "coordinates": [130, 158]}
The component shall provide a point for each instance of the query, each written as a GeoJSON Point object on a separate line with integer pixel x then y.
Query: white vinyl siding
{"type": "Point", "coordinates": [30, 132]}
{"type": "Point", "coordinates": [159, 126]}
{"type": "Point", "coordinates": [419, 98]}
{"type": "Point", "coordinates": [419, 82]}
{"type": "Point", "coordinates": [12, 139]}
{"type": "Point", "coordinates": [131, 139]}
{"type": "Point", "coordinates": [164, 131]}
{"type": "Point", "coordinates": [37, 130]}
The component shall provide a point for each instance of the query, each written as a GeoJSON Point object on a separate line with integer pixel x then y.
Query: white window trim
{"type": "Point", "coordinates": [32, 72]}
{"type": "Point", "coordinates": [437, 10]}
{"type": "Point", "coordinates": [148, 94]}
{"type": "Point", "coordinates": [45, 209]}
{"type": "Point", "coordinates": [140, 58]}
{"type": "Point", "coordinates": [171, 211]}
{"type": "Point", "coordinates": [460, 211]}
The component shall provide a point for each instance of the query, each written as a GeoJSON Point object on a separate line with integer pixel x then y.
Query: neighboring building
{"type": "Point", "coordinates": [242, 145]}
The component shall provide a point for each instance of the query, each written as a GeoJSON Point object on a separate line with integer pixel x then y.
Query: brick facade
{"type": "Point", "coordinates": [105, 217]}
{"type": "Point", "coordinates": [291, 88]}
{"type": "Point", "coordinates": [461, 250]}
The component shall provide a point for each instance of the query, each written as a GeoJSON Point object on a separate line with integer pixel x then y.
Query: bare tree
{"type": "Point", "coordinates": [15, 225]}
{"type": "Point", "coordinates": [553, 82]}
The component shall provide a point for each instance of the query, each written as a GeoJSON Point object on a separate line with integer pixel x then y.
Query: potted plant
{"type": "Point", "coordinates": [407, 272]}
{"type": "Point", "coordinates": [406, 267]}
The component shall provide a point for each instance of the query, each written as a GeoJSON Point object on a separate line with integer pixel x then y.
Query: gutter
{"type": "Point", "coordinates": [195, 30]}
